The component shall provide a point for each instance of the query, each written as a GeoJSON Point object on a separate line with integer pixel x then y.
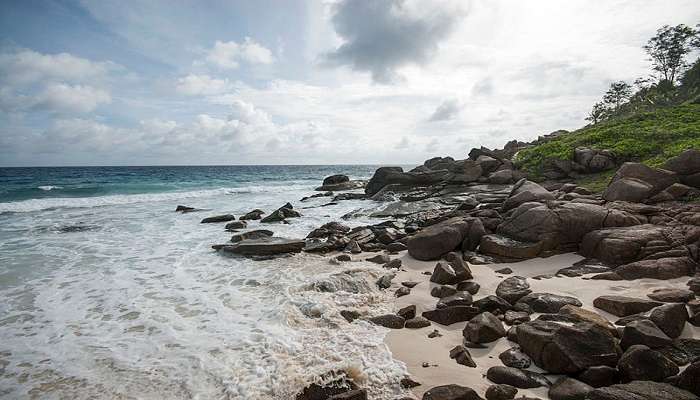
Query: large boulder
{"type": "Point", "coordinates": [525, 191]}
{"type": "Point", "coordinates": [688, 379]}
{"type": "Point", "coordinates": [641, 390]}
{"type": "Point", "coordinates": [563, 349]}
{"type": "Point", "coordinates": [520, 378]}
{"type": "Point", "coordinates": [655, 180]}
{"type": "Point", "coordinates": [569, 389]}
{"type": "Point", "coordinates": [644, 332]}
{"type": "Point", "coordinates": [592, 160]}
{"type": "Point", "coordinates": [561, 224]}
{"type": "Point", "coordinates": [546, 302]}
{"type": "Point", "coordinates": [686, 163]}
{"type": "Point", "coordinates": [622, 245]}
{"type": "Point", "coordinates": [436, 240]}
{"type": "Point", "coordinates": [662, 268]}
{"type": "Point", "coordinates": [670, 318]}
{"type": "Point", "coordinates": [335, 179]}
{"type": "Point", "coordinates": [451, 315]}
{"type": "Point", "coordinates": [395, 175]}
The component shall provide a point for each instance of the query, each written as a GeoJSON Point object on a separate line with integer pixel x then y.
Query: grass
{"type": "Point", "coordinates": [649, 137]}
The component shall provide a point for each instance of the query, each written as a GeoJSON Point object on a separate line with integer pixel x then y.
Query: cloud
{"type": "Point", "coordinates": [382, 36]}
{"type": "Point", "coordinates": [228, 55]}
{"type": "Point", "coordinates": [403, 144]}
{"type": "Point", "coordinates": [65, 98]}
{"type": "Point", "coordinates": [27, 66]}
{"type": "Point", "coordinates": [483, 87]}
{"type": "Point", "coordinates": [449, 109]}
{"type": "Point", "coordinates": [193, 85]}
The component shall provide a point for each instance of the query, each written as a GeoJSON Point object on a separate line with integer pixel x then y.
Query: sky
{"type": "Point", "coordinates": [306, 82]}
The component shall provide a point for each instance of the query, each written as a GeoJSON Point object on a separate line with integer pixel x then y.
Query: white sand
{"type": "Point", "coordinates": [413, 347]}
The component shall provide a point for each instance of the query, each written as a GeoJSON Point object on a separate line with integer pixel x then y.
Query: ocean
{"type": "Point", "coordinates": [108, 293]}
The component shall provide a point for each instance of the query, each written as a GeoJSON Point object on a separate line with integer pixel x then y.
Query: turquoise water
{"type": "Point", "coordinates": [110, 294]}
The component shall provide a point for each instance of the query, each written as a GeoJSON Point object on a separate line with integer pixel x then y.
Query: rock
{"type": "Point", "coordinates": [522, 379]}
{"type": "Point", "coordinates": [493, 304]}
{"type": "Point", "coordinates": [641, 390]}
{"type": "Point", "coordinates": [468, 286]}
{"type": "Point", "coordinates": [662, 268]}
{"type": "Point", "coordinates": [253, 215]}
{"type": "Point", "coordinates": [384, 282]}
{"type": "Point", "coordinates": [255, 234]}
{"type": "Point", "coordinates": [343, 257]}
{"type": "Point", "coordinates": [515, 358]}
{"type": "Point", "coordinates": [379, 259]}
{"type": "Point", "coordinates": [354, 247]}
{"type": "Point", "coordinates": [349, 315]}
{"type": "Point", "coordinates": [599, 376]}
{"type": "Point", "coordinates": [628, 189]}
{"type": "Point", "coordinates": [357, 394]}
{"type": "Point", "coordinates": [503, 246]}
{"type": "Point", "coordinates": [417, 323]}
{"type": "Point", "coordinates": [643, 332]}
{"type": "Point", "coordinates": [457, 299]}
{"type": "Point", "coordinates": [688, 379]}
{"type": "Point", "coordinates": [567, 349]}
{"type": "Point", "coordinates": [335, 179]}
{"type": "Point", "coordinates": [396, 247]}
{"type": "Point", "coordinates": [623, 306]}
{"type": "Point", "coordinates": [451, 392]}
{"type": "Point", "coordinates": [436, 240]}
{"type": "Point", "coordinates": [267, 246]}
{"type": "Point", "coordinates": [501, 392]}
{"type": "Point", "coordinates": [504, 271]}
{"type": "Point", "coordinates": [451, 315]}
{"type": "Point", "coordinates": [281, 214]}
{"type": "Point", "coordinates": [658, 179]}
{"type": "Point", "coordinates": [484, 328]}
{"type": "Point", "coordinates": [548, 302]}
{"type": "Point", "coordinates": [410, 284]}
{"type": "Point", "coordinates": [462, 356]}
{"type": "Point", "coordinates": [525, 191]}
{"type": "Point", "coordinates": [670, 318]}
{"type": "Point", "coordinates": [671, 295]}
{"type": "Point", "coordinates": [569, 389]}
{"type": "Point", "coordinates": [184, 209]}
{"type": "Point", "coordinates": [402, 291]}
{"type": "Point", "coordinates": [218, 218]}
{"type": "Point", "coordinates": [408, 383]}
{"type": "Point", "coordinates": [513, 288]}
{"type": "Point", "coordinates": [644, 364]}
{"type": "Point", "coordinates": [516, 317]}
{"type": "Point", "coordinates": [694, 285]}
{"type": "Point", "coordinates": [444, 274]}
{"type": "Point", "coordinates": [502, 177]}
{"type": "Point", "coordinates": [233, 225]}
{"type": "Point", "coordinates": [328, 229]}
{"type": "Point", "coordinates": [686, 163]}
{"type": "Point", "coordinates": [579, 314]}
{"type": "Point", "coordinates": [407, 312]}
{"type": "Point", "coordinates": [435, 333]}
{"type": "Point", "coordinates": [391, 321]}
{"type": "Point", "coordinates": [442, 291]}
{"type": "Point", "coordinates": [395, 175]}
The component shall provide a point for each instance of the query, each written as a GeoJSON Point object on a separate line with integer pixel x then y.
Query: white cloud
{"type": "Point", "coordinates": [446, 111]}
{"type": "Point", "coordinates": [228, 55]}
{"type": "Point", "coordinates": [65, 98]}
{"type": "Point", "coordinates": [194, 85]}
{"type": "Point", "coordinates": [27, 66]}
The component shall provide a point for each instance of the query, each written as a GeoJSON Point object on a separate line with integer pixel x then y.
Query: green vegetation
{"type": "Point", "coordinates": [658, 121]}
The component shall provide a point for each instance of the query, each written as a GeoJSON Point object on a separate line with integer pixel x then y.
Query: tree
{"type": "Point", "coordinates": [667, 50]}
{"type": "Point", "coordinates": [618, 93]}
{"type": "Point", "coordinates": [598, 113]}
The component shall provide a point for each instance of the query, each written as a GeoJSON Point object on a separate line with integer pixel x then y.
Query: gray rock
{"type": "Point", "coordinates": [688, 379]}
{"type": "Point", "coordinates": [670, 318]}
{"type": "Point", "coordinates": [513, 288]}
{"type": "Point", "coordinates": [252, 215]}
{"type": "Point", "coordinates": [599, 376]}
{"type": "Point", "coordinates": [451, 392]}
{"type": "Point", "coordinates": [451, 315]}
{"type": "Point", "coordinates": [515, 358]}
{"type": "Point", "coordinates": [233, 225]}
{"type": "Point", "coordinates": [391, 321]}
{"type": "Point", "coordinates": [457, 299]}
{"type": "Point", "coordinates": [518, 378]}
{"type": "Point", "coordinates": [548, 302]}
{"type": "Point", "coordinates": [379, 259]}
{"type": "Point", "coordinates": [623, 306]}
{"type": "Point", "coordinates": [254, 234]}
{"type": "Point", "coordinates": [462, 356]}
{"type": "Point", "coordinates": [484, 328]}
{"type": "Point", "coordinates": [643, 332]}
{"type": "Point", "coordinates": [641, 390]}
{"type": "Point", "coordinates": [264, 247]}
{"type": "Point", "coordinates": [442, 291]}
{"type": "Point", "coordinates": [526, 191]}
{"type": "Point", "coordinates": [436, 240]}
{"type": "Point", "coordinates": [499, 245]}
{"type": "Point", "coordinates": [218, 218]}
{"type": "Point", "coordinates": [501, 392]}
{"type": "Point", "coordinates": [640, 363]}
{"type": "Point", "coordinates": [417, 323]}
{"type": "Point", "coordinates": [468, 286]}
{"type": "Point", "coordinates": [569, 389]}
{"type": "Point", "coordinates": [671, 295]}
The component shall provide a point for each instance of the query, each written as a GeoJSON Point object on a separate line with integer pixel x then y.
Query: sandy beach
{"type": "Point", "coordinates": [413, 347]}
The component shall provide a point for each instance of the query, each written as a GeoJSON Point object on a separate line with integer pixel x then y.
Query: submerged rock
{"type": "Point", "coordinates": [218, 218]}
{"type": "Point", "coordinates": [264, 246]}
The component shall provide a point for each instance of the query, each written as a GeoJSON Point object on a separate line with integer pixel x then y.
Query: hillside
{"type": "Point", "coordinates": [649, 137]}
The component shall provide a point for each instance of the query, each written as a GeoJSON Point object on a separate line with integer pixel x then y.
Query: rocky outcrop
{"type": "Point", "coordinates": [567, 349]}
{"type": "Point", "coordinates": [623, 306]}
{"type": "Point", "coordinates": [525, 191]}
{"type": "Point", "coordinates": [263, 247]}
{"type": "Point", "coordinates": [687, 166]}
{"type": "Point", "coordinates": [340, 183]}
{"type": "Point", "coordinates": [436, 240]}
{"type": "Point", "coordinates": [637, 182]}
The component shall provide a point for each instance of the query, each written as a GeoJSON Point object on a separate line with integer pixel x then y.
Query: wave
{"type": "Point", "coordinates": [32, 205]}
{"type": "Point", "coordinates": [49, 187]}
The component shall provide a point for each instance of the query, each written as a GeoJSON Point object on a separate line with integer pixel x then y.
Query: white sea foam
{"type": "Point", "coordinates": [143, 308]}
{"type": "Point", "coordinates": [49, 187]}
